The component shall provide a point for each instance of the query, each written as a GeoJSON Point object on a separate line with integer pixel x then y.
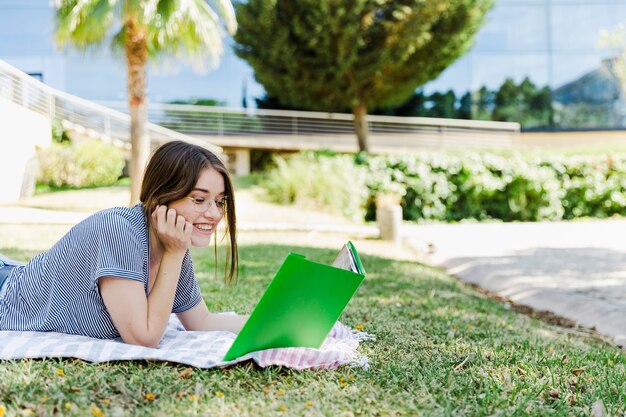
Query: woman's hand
{"type": "Point", "coordinates": [172, 230]}
{"type": "Point", "coordinates": [199, 318]}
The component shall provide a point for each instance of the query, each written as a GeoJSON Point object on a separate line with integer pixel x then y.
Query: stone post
{"type": "Point", "coordinates": [389, 217]}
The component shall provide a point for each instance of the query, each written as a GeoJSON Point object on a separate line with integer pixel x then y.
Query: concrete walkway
{"type": "Point", "coordinates": [577, 270]}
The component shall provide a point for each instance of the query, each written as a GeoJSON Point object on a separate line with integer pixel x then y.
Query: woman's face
{"type": "Point", "coordinates": [203, 207]}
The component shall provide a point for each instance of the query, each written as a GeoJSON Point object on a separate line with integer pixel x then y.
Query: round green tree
{"type": "Point", "coordinates": [352, 55]}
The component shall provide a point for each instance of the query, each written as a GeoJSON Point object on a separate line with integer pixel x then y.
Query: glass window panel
{"type": "Point", "coordinates": [491, 70]}
{"type": "Point", "coordinates": [577, 27]}
{"type": "Point", "coordinates": [95, 76]}
{"type": "Point", "coordinates": [457, 77]}
{"type": "Point", "coordinates": [585, 92]}
{"type": "Point", "coordinates": [521, 2]}
{"type": "Point", "coordinates": [512, 27]}
{"type": "Point", "coordinates": [22, 4]}
{"type": "Point", "coordinates": [224, 83]}
{"type": "Point", "coordinates": [586, 2]}
{"type": "Point", "coordinates": [567, 68]}
{"type": "Point", "coordinates": [34, 27]}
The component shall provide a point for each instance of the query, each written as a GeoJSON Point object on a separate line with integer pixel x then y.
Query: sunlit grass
{"type": "Point", "coordinates": [441, 350]}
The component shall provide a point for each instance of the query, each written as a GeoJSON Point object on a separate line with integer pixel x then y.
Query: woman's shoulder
{"type": "Point", "coordinates": [131, 214]}
{"type": "Point", "coordinates": [130, 218]}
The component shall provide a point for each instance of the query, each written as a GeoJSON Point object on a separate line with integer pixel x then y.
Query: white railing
{"type": "Point", "coordinates": [224, 121]}
{"type": "Point", "coordinates": [305, 130]}
{"type": "Point", "coordinates": [75, 113]}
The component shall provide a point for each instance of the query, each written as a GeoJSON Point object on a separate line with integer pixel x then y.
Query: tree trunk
{"type": "Point", "coordinates": [360, 126]}
{"type": "Point", "coordinates": [136, 59]}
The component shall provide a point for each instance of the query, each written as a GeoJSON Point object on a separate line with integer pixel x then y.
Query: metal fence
{"type": "Point", "coordinates": [299, 128]}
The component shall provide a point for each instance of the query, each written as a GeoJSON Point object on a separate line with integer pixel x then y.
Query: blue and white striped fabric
{"type": "Point", "coordinates": [198, 349]}
{"type": "Point", "coordinates": [57, 291]}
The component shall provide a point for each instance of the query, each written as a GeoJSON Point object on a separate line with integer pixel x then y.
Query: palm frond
{"type": "Point", "coordinates": [227, 12]}
{"type": "Point", "coordinates": [187, 29]}
{"type": "Point", "coordinates": [84, 23]}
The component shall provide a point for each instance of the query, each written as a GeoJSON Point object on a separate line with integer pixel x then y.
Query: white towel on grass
{"type": "Point", "coordinates": [199, 349]}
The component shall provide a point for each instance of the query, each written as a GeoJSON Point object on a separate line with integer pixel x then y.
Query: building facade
{"type": "Point", "coordinates": [552, 43]}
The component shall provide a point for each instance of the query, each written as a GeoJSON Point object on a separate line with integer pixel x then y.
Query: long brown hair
{"type": "Point", "coordinates": [173, 172]}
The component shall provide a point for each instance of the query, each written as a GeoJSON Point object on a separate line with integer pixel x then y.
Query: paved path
{"type": "Point", "coordinates": [576, 270]}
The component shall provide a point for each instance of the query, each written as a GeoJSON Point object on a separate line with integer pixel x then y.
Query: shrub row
{"type": "Point", "coordinates": [331, 182]}
{"type": "Point", "coordinates": [446, 187]}
{"type": "Point", "coordinates": [89, 163]}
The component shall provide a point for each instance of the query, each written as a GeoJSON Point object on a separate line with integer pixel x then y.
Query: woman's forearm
{"type": "Point", "coordinates": [228, 322]}
{"type": "Point", "coordinates": [200, 319]}
{"type": "Point", "coordinates": [161, 299]}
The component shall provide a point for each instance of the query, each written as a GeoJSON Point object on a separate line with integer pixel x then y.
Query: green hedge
{"type": "Point", "coordinates": [90, 163]}
{"type": "Point", "coordinates": [486, 186]}
{"type": "Point", "coordinates": [446, 187]}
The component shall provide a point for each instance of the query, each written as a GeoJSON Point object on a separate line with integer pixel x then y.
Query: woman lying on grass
{"type": "Point", "coordinates": [123, 271]}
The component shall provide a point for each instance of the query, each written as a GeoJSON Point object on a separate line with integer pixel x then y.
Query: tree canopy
{"type": "Point", "coordinates": [339, 55]}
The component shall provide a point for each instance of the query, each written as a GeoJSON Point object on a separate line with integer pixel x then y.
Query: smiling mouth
{"type": "Point", "coordinates": [203, 227]}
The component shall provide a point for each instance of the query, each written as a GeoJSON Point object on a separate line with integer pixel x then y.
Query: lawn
{"type": "Point", "coordinates": [442, 349]}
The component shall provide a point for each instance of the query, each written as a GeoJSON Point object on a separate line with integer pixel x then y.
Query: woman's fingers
{"type": "Point", "coordinates": [173, 229]}
{"type": "Point", "coordinates": [160, 216]}
{"type": "Point", "coordinates": [187, 231]}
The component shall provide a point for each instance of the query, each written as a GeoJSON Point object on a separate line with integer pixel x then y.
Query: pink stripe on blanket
{"type": "Point", "coordinates": [339, 348]}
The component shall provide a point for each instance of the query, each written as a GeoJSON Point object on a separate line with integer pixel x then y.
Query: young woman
{"type": "Point", "coordinates": [123, 271]}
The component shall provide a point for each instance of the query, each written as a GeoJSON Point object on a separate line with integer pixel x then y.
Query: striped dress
{"type": "Point", "coordinates": [57, 291]}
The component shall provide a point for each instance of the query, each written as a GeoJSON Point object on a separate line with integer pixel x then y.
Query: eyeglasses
{"type": "Point", "coordinates": [201, 204]}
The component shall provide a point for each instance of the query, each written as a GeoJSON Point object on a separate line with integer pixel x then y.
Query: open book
{"type": "Point", "coordinates": [301, 304]}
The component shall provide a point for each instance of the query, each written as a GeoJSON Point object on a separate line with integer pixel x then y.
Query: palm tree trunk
{"type": "Point", "coordinates": [360, 126]}
{"type": "Point", "coordinates": [136, 59]}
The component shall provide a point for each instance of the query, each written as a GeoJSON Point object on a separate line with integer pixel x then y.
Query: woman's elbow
{"type": "Point", "coordinates": [142, 340]}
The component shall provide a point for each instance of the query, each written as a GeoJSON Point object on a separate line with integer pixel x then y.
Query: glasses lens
{"type": "Point", "coordinates": [201, 205]}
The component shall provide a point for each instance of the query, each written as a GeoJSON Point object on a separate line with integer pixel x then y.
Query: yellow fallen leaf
{"type": "Point", "coordinates": [185, 373]}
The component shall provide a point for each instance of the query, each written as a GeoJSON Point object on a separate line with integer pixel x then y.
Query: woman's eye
{"type": "Point", "coordinates": [198, 200]}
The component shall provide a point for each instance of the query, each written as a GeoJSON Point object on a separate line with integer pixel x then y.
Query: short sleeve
{"type": "Point", "coordinates": [121, 248]}
{"type": "Point", "coordinates": [188, 291]}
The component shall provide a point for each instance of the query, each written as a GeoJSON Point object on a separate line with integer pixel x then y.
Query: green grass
{"type": "Point", "coordinates": [441, 350]}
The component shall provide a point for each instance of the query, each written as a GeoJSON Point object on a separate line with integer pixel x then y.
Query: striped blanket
{"type": "Point", "coordinates": [199, 349]}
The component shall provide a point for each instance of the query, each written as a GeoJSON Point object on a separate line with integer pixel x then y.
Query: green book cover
{"type": "Point", "coordinates": [301, 304]}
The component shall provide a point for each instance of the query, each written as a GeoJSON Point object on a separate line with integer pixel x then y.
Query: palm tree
{"type": "Point", "coordinates": [144, 30]}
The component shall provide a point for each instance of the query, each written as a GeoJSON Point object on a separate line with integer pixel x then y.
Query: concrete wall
{"type": "Point", "coordinates": [22, 131]}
